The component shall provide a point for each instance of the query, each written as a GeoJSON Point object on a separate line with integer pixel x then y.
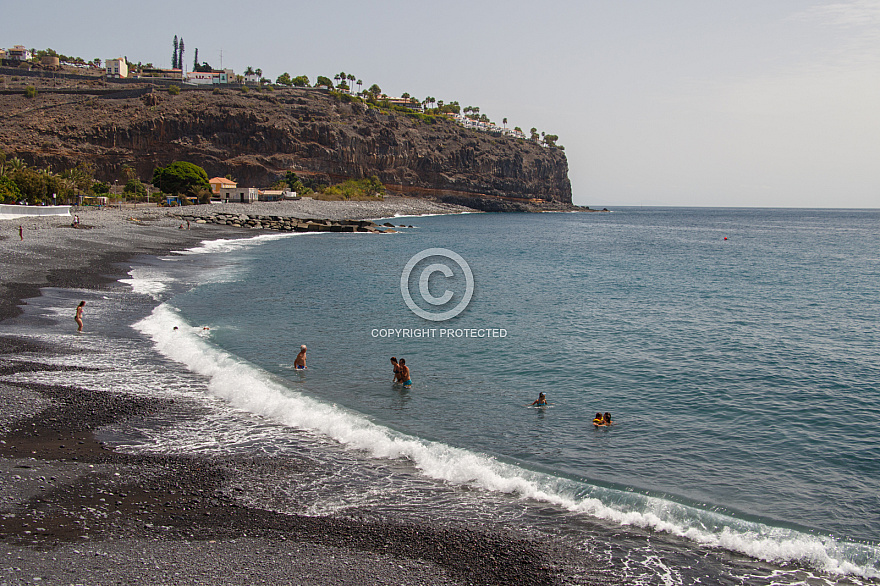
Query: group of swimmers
{"type": "Point", "coordinates": [401, 372]}
{"type": "Point", "coordinates": [599, 421]}
{"type": "Point", "coordinates": [602, 420]}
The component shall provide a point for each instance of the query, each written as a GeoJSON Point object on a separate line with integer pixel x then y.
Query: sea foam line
{"type": "Point", "coordinates": [246, 387]}
{"type": "Point", "coordinates": [230, 244]}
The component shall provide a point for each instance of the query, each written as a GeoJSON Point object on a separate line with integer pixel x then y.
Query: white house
{"type": "Point", "coordinates": [116, 68]}
{"type": "Point", "coordinates": [19, 53]}
{"type": "Point", "coordinates": [239, 194]}
{"type": "Point", "coordinates": [210, 77]}
{"type": "Point", "coordinates": [251, 78]}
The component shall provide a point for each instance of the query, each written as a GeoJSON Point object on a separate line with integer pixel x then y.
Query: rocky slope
{"type": "Point", "coordinates": [259, 135]}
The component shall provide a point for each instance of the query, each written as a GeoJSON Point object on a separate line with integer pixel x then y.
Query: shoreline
{"type": "Point", "coordinates": [75, 500]}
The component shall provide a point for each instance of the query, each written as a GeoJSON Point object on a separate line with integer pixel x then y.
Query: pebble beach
{"type": "Point", "coordinates": [76, 511]}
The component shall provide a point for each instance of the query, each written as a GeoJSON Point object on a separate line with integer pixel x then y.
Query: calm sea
{"type": "Point", "coordinates": [738, 351]}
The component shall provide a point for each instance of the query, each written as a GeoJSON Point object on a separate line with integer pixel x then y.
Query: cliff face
{"type": "Point", "coordinates": [256, 137]}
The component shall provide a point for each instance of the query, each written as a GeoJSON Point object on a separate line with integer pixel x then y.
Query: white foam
{"type": "Point", "coordinates": [147, 281]}
{"type": "Point", "coordinates": [249, 388]}
{"type": "Point", "coordinates": [230, 244]}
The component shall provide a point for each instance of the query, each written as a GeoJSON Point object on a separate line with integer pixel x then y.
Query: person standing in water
{"type": "Point", "coordinates": [403, 373]}
{"type": "Point", "coordinates": [541, 401]}
{"type": "Point", "coordinates": [300, 362]}
{"type": "Point", "coordinates": [79, 315]}
{"type": "Point", "coordinates": [396, 368]}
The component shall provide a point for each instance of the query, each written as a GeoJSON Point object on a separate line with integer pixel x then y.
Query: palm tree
{"type": "Point", "coordinates": [259, 72]}
{"type": "Point", "coordinates": [505, 123]}
{"type": "Point", "coordinates": [350, 78]}
{"type": "Point", "coordinates": [360, 83]}
{"type": "Point", "coordinates": [249, 70]}
{"type": "Point", "coordinates": [336, 77]}
{"type": "Point", "coordinates": [17, 164]}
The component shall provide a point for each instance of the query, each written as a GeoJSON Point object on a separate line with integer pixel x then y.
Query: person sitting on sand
{"type": "Point", "coordinates": [404, 373]}
{"type": "Point", "coordinates": [79, 315]}
{"type": "Point", "coordinates": [598, 421]}
{"type": "Point", "coordinates": [540, 401]}
{"type": "Point", "coordinates": [300, 362]}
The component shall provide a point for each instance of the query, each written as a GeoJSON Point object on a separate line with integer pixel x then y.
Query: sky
{"type": "Point", "coordinates": [738, 103]}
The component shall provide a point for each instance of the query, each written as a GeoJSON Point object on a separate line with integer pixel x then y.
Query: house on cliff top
{"type": "Point", "coordinates": [116, 68]}
{"type": "Point", "coordinates": [210, 77]}
{"type": "Point", "coordinates": [19, 53]}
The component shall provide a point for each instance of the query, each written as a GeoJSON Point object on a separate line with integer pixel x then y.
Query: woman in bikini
{"type": "Point", "coordinates": [79, 315]}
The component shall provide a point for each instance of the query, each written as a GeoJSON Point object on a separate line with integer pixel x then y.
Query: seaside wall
{"type": "Point", "coordinates": [10, 212]}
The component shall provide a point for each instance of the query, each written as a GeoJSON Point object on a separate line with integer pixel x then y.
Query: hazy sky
{"type": "Point", "coordinates": [702, 102]}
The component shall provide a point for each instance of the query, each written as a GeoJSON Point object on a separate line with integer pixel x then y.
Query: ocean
{"type": "Point", "coordinates": [737, 350]}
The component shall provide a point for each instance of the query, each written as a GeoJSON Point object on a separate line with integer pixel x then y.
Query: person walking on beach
{"type": "Point", "coordinates": [79, 315]}
{"type": "Point", "coordinates": [21, 232]}
{"type": "Point", "coordinates": [300, 362]}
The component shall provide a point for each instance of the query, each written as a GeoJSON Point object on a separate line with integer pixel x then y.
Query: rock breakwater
{"type": "Point", "coordinates": [288, 223]}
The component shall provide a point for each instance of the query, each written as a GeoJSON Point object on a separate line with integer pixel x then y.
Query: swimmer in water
{"type": "Point", "coordinates": [598, 421]}
{"type": "Point", "coordinates": [540, 401]}
{"type": "Point", "coordinates": [404, 373]}
{"type": "Point", "coordinates": [607, 418]}
{"type": "Point", "coordinates": [300, 362]}
{"type": "Point", "coordinates": [396, 368]}
{"type": "Point", "coordinates": [79, 315]}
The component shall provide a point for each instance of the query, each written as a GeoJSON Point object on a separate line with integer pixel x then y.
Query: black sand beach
{"type": "Point", "coordinates": [76, 511]}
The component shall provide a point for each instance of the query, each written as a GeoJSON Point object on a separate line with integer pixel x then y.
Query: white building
{"type": "Point", "coordinates": [19, 53]}
{"type": "Point", "coordinates": [239, 194]}
{"type": "Point", "coordinates": [116, 68]}
{"type": "Point", "coordinates": [210, 77]}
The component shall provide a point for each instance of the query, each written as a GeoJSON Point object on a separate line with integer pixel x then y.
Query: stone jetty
{"type": "Point", "coordinates": [287, 223]}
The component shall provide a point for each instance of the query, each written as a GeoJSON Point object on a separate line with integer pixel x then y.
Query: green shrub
{"type": "Point", "coordinates": [30, 92]}
{"type": "Point", "coordinates": [354, 189]}
{"type": "Point", "coordinates": [173, 90]}
{"type": "Point", "coordinates": [243, 89]}
{"type": "Point", "coordinates": [216, 91]}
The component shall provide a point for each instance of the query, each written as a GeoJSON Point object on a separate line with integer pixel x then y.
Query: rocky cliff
{"type": "Point", "coordinates": [259, 135]}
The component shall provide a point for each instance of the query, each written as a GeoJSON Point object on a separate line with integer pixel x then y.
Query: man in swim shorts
{"type": "Point", "coordinates": [300, 362]}
{"type": "Point", "coordinates": [403, 372]}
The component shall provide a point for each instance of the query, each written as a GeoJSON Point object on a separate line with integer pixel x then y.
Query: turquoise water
{"type": "Point", "coordinates": [738, 351]}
